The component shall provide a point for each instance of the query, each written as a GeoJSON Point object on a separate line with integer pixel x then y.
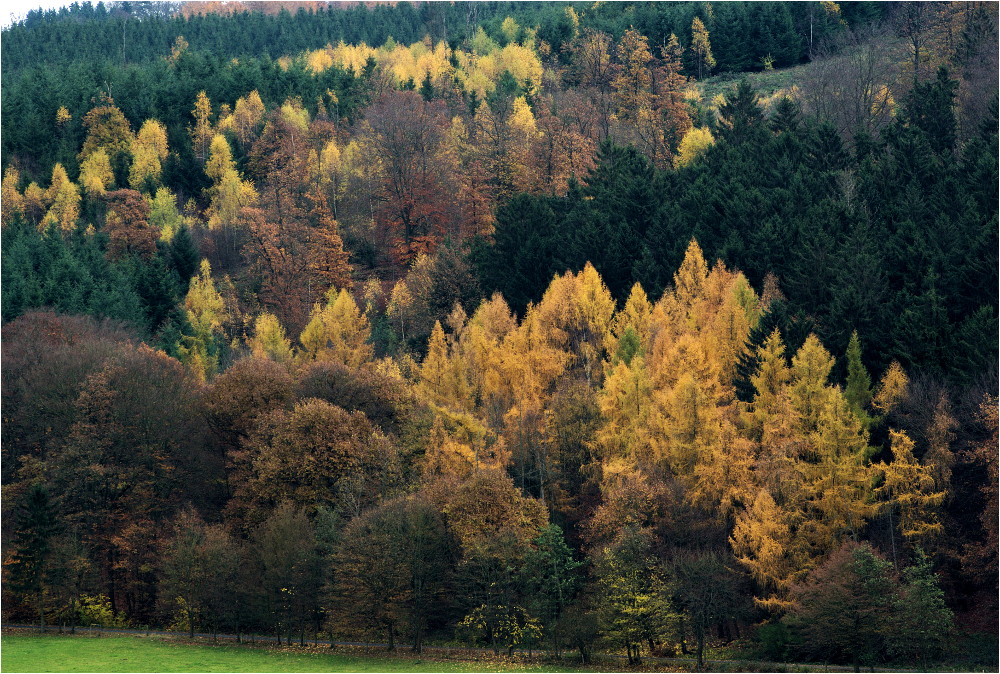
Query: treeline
{"type": "Point", "coordinates": [531, 482]}
{"type": "Point", "coordinates": [166, 61]}
{"type": "Point", "coordinates": [138, 32]}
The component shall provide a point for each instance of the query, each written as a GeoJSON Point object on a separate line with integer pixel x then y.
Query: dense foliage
{"type": "Point", "coordinates": [492, 322]}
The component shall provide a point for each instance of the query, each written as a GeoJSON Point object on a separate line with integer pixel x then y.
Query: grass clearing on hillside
{"type": "Point", "coordinates": [54, 653]}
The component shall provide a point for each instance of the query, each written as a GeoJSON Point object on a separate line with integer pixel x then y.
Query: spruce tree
{"type": "Point", "coordinates": [30, 565]}
{"type": "Point", "coordinates": [859, 384]}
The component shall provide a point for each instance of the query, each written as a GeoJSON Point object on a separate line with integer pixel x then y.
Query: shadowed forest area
{"type": "Point", "coordinates": [635, 328]}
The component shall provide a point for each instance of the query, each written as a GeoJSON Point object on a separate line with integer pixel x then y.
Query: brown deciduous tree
{"type": "Point", "coordinates": [131, 456]}
{"type": "Point", "coordinates": [315, 455]}
{"type": "Point", "coordinates": [128, 228]}
{"type": "Point", "coordinates": [407, 135]}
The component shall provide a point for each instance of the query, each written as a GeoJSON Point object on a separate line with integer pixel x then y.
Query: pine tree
{"type": "Point", "coordinates": [923, 624]}
{"type": "Point", "coordinates": [31, 564]}
{"type": "Point", "coordinates": [858, 391]}
{"type": "Point", "coordinates": [740, 117]}
{"type": "Point", "coordinates": [184, 256]}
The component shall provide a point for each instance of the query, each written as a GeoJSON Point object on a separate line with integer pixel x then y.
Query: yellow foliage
{"type": "Point", "coordinates": [229, 197]}
{"type": "Point", "coordinates": [527, 364]}
{"type": "Point", "coordinates": [809, 391]}
{"type": "Point", "coordinates": [447, 457]}
{"type": "Point", "coordinates": [353, 57]}
{"type": "Point", "coordinates": [64, 198]}
{"type": "Point", "coordinates": [319, 60]}
{"type": "Point", "coordinates": [908, 489]}
{"type": "Point", "coordinates": [96, 174]}
{"type": "Point", "coordinates": [148, 151]}
{"type": "Point", "coordinates": [338, 332]}
{"type": "Point", "coordinates": [154, 135]}
{"type": "Point", "coordinates": [295, 115]}
{"type": "Point", "coordinates": [163, 214]}
{"type": "Point", "coordinates": [269, 340]}
{"type": "Point", "coordinates": [691, 422]}
{"type": "Point", "coordinates": [247, 114]}
{"type": "Point", "coordinates": [220, 158]}
{"type": "Point", "coordinates": [632, 421]}
{"type": "Point", "coordinates": [62, 116]}
{"type": "Point", "coordinates": [201, 133]}
{"type": "Point", "coordinates": [724, 472]}
{"type": "Point", "coordinates": [891, 389]}
{"type": "Point", "coordinates": [727, 331]}
{"type": "Point", "coordinates": [34, 199]}
{"type": "Point", "coordinates": [206, 310]}
{"type": "Point", "coordinates": [575, 316]}
{"type": "Point", "coordinates": [510, 29]}
{"type": "Point", "coordinates": [636, 314]}
{"type": "Point", "coordinates": [11, 200]}
{"type": "Point", "coordinates": [689, 279]}
{"type": "Point", "coordinates": [145, 167]}
{"type": "Point", "coordinates": [442, 374]}
{"type": "Point", "coordinates": [481, 43]}
{"type": "Point", "coordinates": [522, 120]}
{"type": "Point", "coordinates": [693, 145]}
{"type": "Point", "coordinates": [762, 542]}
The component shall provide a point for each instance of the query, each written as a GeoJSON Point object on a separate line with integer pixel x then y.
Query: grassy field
{"type": "Point", "coordinates": [52, 653]}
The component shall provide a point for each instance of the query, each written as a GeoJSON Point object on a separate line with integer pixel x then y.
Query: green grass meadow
{"type": "Point", "coordinates": [53, 653]}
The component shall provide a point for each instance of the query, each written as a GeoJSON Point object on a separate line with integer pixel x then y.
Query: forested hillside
{"type": "Point", "coordinates": [623, 327]}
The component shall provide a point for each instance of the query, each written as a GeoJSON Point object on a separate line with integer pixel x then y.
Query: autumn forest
{"type": "Point", "coordinates": [650, 329]}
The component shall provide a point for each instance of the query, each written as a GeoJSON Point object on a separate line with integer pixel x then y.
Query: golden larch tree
{"type": "Point", "coordinates": [269, 340]}
{"type": "Point", "coordinates": [11, 199]}
{"type": "Point", "coordinates": [338, 331]}
{"type": "Point", "coordinates": [908, 495]}
{"type": "Point", "coordinates": [201, 132]}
